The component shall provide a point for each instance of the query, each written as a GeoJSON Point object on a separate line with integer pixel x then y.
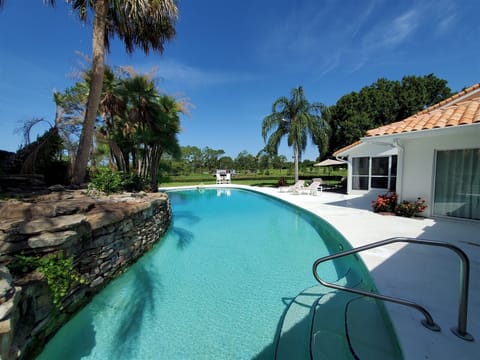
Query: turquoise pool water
{"type": "Point", "coordinates": [215, 286]}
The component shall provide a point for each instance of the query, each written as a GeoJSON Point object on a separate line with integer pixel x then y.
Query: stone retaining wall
{"type": "Point", "coordinates": [103, 236]}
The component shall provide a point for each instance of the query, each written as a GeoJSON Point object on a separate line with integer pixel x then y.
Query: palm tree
{"type": "Point", "coordinates": [138, 23]}
{"type": "Point", "coordinates": [141, 124]}
{"type": "Point", "coordinates": [146, 24]}
{"type": "Point", "coordinates": [297, 118]}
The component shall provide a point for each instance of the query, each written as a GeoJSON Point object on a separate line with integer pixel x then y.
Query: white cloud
{"type": "Point", "coordinates": [403, 26]}
{"type": "Point", "coordinates": [182, 76]}
{"type": "Point", "coordinates": [172, 71]}
{"type": "Point", "coordinates": [350, 36]}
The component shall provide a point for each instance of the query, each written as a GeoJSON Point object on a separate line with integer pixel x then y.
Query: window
{"type": "Point", "coordinates": [379, 177]}
{"type": "Point", "coordinates": [376, 172]}
{"type": "Point", "coordinates": [457, 184]}
{"type": "Point", "coordinates": [360, 173]}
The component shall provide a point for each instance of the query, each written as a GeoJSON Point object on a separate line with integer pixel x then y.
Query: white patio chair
{"type": "Point", "coordinates": [312, 189]}
{"type": "Point", "coordinates": [293, 188]}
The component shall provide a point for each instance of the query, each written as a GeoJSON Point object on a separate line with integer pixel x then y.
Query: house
{"type": "Point", "coordinates": [434, 154]}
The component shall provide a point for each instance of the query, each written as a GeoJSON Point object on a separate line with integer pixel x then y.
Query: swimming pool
{"type": "Point", "coordinates": [215, 287]}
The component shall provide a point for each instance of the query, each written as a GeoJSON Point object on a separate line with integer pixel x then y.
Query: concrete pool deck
{"type": "Point", "coordinates": [423, 274]}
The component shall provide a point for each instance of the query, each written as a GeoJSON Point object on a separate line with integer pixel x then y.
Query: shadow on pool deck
{"type": "Point", "coordinates": [423, 274]}
{"type": "Point", "coordinates": [430, 277]}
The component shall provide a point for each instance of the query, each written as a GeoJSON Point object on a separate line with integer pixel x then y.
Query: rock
{"type": "Point", "coordinates": [51, 224]}
{"type": "Point", "coordinates": [5, 326]}
{"type": "Point", "coordinates": [6, 289]}
{"type": "Point", "coordinates": [74, 206]}
{"type": "Point", "coordinates": [98, 281]}
{"type": "Point", "coordinates": [6, 308]}
{"type": "Point", "coordinates": [57, 188]}
{"type": "Point", "coordinates": [49, 239]}
{"type": "Point", "coordinates": [26, 211]}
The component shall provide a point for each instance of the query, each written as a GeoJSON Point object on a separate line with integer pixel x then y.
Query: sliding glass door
{"type": "Point", "coordinates": [457, 184]}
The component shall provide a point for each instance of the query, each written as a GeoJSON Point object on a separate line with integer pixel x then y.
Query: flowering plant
{"type": "Point", "coordinates": [281, 182]}
{"type": "Point", "coordinates": [410, 208]}
{"type": "Point", "coordinates": [385, 202]}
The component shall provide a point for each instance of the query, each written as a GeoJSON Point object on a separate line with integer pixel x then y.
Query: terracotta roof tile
{"type": "Point", "coordinates": [446, 113]}
{"type": "Point", "coordinates": [465, 112]}
{"type": "Point", "coordinates": [356, 143]}
{"type": "Point", "coordinates": [451, 98]}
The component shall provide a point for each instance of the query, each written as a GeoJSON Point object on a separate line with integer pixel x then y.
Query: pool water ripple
{"type": "Point", "coordinates": [215, 286]}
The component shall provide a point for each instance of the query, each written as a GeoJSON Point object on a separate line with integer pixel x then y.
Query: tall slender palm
{"type": "Point", "coordinates": [146, 24]}
{"type": "Point", "coordinates": [295, 118]}
{"type": "Point", "coordinates": [138, 23]}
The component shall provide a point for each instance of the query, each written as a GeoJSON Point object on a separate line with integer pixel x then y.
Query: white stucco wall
{"type": "Point", "coordinates": [418, 159]}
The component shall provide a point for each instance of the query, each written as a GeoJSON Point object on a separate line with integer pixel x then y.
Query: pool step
{"type": "Point", "coordinates": [293, 342]}
{"type": "Point", "coordinates": [349, 326]}
{"type": "Point", "coordinates": [323, 323]}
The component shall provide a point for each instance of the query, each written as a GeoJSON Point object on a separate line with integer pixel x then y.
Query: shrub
{"type": "Point", "coordinates": [110, 181]}
{"type": "Point", "coordinates": [133, 182]}
{"type": "Point", "coordinates": [281, 182]}
{"type": "Point", "coordinates": [410, 208]}
{"type": "Point", "coordinates": [107, 181]}
{"type": "Point", "coordinates": [59, 273]}
{"type": "Point", "coordinates": [385, 202]}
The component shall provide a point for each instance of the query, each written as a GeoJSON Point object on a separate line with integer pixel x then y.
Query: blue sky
{"type": "Point", "coordinates": [233, 59]}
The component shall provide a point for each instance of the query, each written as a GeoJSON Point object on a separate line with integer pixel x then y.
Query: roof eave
{"type": "Point", "coordinates": [390, 138]}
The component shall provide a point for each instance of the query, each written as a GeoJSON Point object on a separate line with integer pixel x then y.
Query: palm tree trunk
{"type": "Point", "coordinates": [96, 83]}
{"type": "Point", "coordinates": [157, 154]}
{"type": "Point", "coordinates": [295, 156]}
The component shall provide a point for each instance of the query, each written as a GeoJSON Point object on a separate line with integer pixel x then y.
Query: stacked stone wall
{"type": "Point", "coordinates": [103, 236]}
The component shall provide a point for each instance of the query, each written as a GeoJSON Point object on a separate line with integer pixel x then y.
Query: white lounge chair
{"type": "Point", "coordinates": [312, 189]}
{"type": "Point", "coordinates": [219, 179]}
{"type": "Point", "coordinates": [228, 178]}
{"type": "Point", "coordinates": [293, 188]}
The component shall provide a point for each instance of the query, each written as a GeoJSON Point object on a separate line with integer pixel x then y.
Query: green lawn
{"type": "Point", "coordinates": [271, 179]}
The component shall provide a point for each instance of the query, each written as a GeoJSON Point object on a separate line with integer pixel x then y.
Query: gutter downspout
{"type": "Point", "coordinates": [400, 167]}
{"type": "Point", "coordinates": [349, 172]}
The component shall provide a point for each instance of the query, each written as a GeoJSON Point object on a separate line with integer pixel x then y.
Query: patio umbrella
{"type": "Point", "coordinates": [330, 162]}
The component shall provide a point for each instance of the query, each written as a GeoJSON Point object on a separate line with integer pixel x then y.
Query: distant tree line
{"type": "Point", "coordinates": [194, 160]}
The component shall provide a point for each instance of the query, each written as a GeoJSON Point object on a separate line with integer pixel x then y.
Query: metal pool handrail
{"type": "Point", "coordinates": [460, 330]}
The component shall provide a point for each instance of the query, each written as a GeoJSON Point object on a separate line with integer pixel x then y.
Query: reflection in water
{"type": "Point", "coordinates": [184, 236]}
{"type": "Point", "coordinates": [138, 308]}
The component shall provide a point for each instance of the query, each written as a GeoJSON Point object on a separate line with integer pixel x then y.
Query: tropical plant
{"type": "Point", "coordinates": [144, 24]}
{"type": "Point", "coordinates": [410, 208]}
{"type": "Point", "coordinates": [295, 118]}
{"type": "Point", "coordinates": [385, 202]}
{"type": "Point", "coordinates": [140, 125]}
{"type": "Point", "coordinates": [138, 23]}
{"type": "Point", "coordinates": [59, 273]}
{"type": "Point", "coordinates": [106, 181]}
